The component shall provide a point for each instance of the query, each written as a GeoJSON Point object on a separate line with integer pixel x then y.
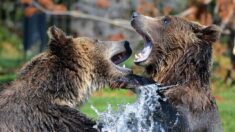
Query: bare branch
{"type": "Point", "coordinates": [117, 22]}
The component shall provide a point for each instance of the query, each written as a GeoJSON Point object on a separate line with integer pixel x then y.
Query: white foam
{"type": "Point", "coordinates": [136, 117]}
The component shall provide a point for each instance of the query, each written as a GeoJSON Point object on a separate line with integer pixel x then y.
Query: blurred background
{"type": "Point", "coordinates": [23, 26]}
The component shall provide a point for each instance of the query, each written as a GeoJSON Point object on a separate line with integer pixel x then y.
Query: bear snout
{"type": "Point", "coordinates": [135, 14]}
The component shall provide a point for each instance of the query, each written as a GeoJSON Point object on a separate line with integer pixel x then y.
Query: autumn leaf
{"type": "Point", "coordinates": [104, 4]}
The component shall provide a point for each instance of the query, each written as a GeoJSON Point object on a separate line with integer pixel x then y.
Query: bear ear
{"type": "Point", "coordinates": [58, 42]}
{"type": "Point", "coordinates": [210, 33]}
{"type": "Point", "coordinates": [56, 34]}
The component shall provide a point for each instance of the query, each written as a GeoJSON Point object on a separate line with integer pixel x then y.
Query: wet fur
{"type": "Point", "coordinates": [48, 89]}
{"type": "Point", "coordinates": [181, 54]}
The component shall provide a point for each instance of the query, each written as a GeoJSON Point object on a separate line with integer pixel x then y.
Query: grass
{"type": "Point", "coordinates": [101, 99]}
{"type": "Point", "coordinates": [226, 107]}
{"type": "Point", "coordinates": [7, 78]}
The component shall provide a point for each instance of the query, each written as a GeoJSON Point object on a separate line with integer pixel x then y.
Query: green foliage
{"type": "Point", "coordinates": [9, 63]}
{"type": "Point", "coordinates": [7, 78]}
{"type": "Point", "coordinates": [7, 36]}
{"type": "Point", "coordinates": [10, 54]}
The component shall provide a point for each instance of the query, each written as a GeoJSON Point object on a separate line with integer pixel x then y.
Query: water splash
{"type": "Point", "coordinates": [137, 117]}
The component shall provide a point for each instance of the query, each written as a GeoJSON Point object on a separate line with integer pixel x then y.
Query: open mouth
{"type": "Point", "coordinates": [120, 57]}
{"type": "Point", "coordinates": [143, 55]}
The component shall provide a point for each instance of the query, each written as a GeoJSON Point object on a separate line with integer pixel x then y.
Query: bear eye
{"type": "Point", "coordinates": [166, 20]}
{"type": "Point", "coordinates": [97, 41]}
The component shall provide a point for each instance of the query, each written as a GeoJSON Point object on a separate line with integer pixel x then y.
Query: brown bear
{"type": "Point", "coordinates": [178, 52]}
{"type": "Point", "coordinates": [47, 90]}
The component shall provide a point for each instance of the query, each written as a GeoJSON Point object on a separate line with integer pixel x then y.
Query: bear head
{"type": "Point", "coordinates": [171, 41]}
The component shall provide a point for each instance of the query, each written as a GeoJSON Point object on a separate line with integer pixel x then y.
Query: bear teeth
{"type": "Point", "coordinates": [144, 54]}
{"type": "Point", "coordinates": [138, 56]}
{"type": "Point", "coordinates": [124, 66]}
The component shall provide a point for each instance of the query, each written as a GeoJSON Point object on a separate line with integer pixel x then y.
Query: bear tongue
{"type": "Point", "coordinates": [144, 54]}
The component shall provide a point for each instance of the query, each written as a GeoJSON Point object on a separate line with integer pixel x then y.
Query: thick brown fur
{"type": "Point", "coordinates": [181, 54]}
{"type": "Point", "coordinates": [47, 90]}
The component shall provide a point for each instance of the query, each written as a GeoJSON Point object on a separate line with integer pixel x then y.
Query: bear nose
{"type": "Point", "coordinates": [127, 47]}
{"type": "Point", "coordinates": [126, 43]}
{"type": "Point", "coordinates": [135, 14]}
